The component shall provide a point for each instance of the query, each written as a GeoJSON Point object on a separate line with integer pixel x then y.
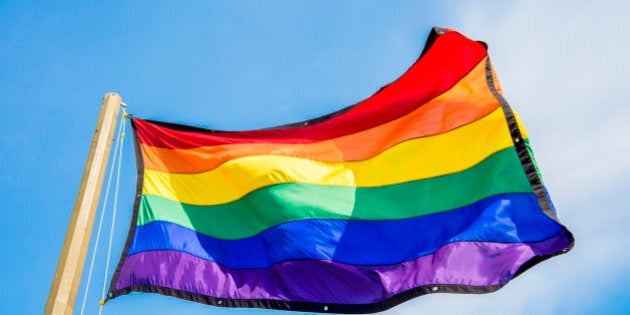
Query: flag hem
{"type": "Point", "coordinates": [112, 292]}
{"type": "Point", "coordinates": [529, 167]}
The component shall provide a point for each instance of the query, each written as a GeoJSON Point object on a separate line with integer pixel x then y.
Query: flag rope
{"type": "Point", "coordinates": [113, 225]}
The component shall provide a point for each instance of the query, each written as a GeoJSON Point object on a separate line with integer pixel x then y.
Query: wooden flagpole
{"type": "Point", "coordinates": [63, 292]}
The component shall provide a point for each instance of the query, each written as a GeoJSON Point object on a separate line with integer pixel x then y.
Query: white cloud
{"type": "Point", "coordinates": [564, 69]}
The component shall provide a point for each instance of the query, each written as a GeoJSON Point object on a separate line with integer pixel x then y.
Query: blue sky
{"type": "Point", "coordinates": [250, 64]}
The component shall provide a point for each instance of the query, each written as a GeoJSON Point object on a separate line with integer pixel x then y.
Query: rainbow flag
{"type": "Point", "coordinates": [427, 186]}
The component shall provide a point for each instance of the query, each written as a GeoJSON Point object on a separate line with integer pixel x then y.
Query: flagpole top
{"type": "Point", "coordinates": [115, 95]}
{"type": "Point", "coordinates": [111, 94]}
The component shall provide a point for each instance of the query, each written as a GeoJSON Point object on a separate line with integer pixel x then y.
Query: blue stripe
{"type": "Point", "coordinates": [510, 218]}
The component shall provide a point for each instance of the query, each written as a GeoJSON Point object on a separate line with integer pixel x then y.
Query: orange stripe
{"type": "Point", "coordinates": [467, 101]}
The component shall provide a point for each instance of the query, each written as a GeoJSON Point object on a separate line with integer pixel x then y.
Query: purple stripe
{"type": "Point", "coordinates": [461, 263]}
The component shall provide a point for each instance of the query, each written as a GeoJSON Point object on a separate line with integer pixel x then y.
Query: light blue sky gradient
{"type": "Point", "coordinates": [251, 64]}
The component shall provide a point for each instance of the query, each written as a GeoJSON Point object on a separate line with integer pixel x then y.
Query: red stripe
{"type": "Point", "coordinates": [448, 60]}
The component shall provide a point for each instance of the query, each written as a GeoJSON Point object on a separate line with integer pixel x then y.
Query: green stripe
{"type": "Point", "coordinates": [500, 173]}
{"type": "Point", "coordinates": [531, 154]}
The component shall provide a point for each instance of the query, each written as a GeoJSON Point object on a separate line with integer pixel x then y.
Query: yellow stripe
{"type": "Point", "coordinates": [415, 159]}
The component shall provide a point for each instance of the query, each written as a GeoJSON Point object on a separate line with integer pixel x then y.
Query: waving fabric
{"type": "Point", "coordinates": [427, 186]}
